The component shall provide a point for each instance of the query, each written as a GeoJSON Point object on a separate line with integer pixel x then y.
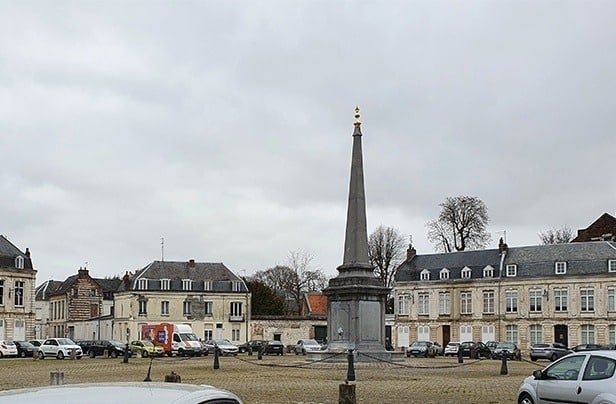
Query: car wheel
{"type": "Point", "coordinates": [181, 352]}
{"type": "Point", "coordinates": [41, 355]}
{"type": "Point", "coordinates": [525, 399]}
{"type": "Point", "coordinates": [114, 354]}
{"type": "Point", "coordinates": [296, 353]}
{"type": "Point", "coordinates": [303, 352]}
{"type": "Point", "coordinates": [22, 354]}
{"type": "Point", "coordinates": [144, 354]}
{"type": "Point", "coordinates": [91, 354]}
{"type": "Point", "coordinates": [553, 357]}
{"type": "Point", "coordinates": [60, 355]}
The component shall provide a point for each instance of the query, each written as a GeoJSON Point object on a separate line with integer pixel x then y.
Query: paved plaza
{"type": "Point", "coordinates": [290, 379]}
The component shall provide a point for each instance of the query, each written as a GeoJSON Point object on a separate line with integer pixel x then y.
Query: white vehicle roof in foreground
{"type": "Point", "coordinates": [130, 392]}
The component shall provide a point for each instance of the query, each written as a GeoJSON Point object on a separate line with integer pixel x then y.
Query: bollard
{"type": "Point", "coordinates": [460, 357]}
{"type": "Point", "coordinates": [56, 378]}
{"type": "Point", "coordinates": [249, 350]}
{"type": "Point", "coordinates": [260, 353]}
{"type": "Point", "coordinates": [73, 354]}
{"type": "Point", "coordinates": [216, 360]}
{"type": "Point", "coordinates": [346, 394]}
{"type": "Point", "coordinates": [351, 367]}
{"type": "Point", "coordinates": [173, 378]}
{"type": "Point", "coordinates": [504, 369]}
{"type": "Point", "coordinates": [35, 354]}
{"type": "Point", "coordinates": [105, 353]}
{"type": "Point", "coordinates": [148, 377]}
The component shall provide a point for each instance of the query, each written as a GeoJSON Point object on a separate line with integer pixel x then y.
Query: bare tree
{"type": "Point", "coordinates": [556, 236]}
{"type": "Point", "coordinates": [386, 253]}
{"type": "Point", "coordinates": [294, 279]}
{"type": "Point", "coordinates": [461, 225]}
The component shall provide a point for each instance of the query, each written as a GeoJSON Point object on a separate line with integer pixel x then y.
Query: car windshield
{"type": "Point", "coordinates": [25, 344]}
{"type": "Point", "coordinates": [118, 343]}
{"type": "Point", "coordinates": [222, 342]}
{"type": "Point", "coordinates": [505, 346]}
{"type": "Point", "coordinates": [310, 342]}
{"type": "Point", "coordinates": [9, 343]}
{"type": "Point", "coordinates": [275, 343]}
{"type": "Point", "coordinates": [65, 341]}
{"type": "Point", "coordinates": [453, 344]}
{"type": "Point", "coordinates": [420, 343]}
{"type": "Point", "coordinates": [147, 343]}
{"type": "Point", "coordinates": [540, 345]}
{"type": "Point", "coordinates": [188, 337]}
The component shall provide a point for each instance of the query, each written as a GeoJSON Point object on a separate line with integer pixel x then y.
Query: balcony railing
{"type": "Point", "coordinates": [235, 318]}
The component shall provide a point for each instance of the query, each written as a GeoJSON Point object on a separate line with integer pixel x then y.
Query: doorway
{"type": "Point", "coordinates": [561, 334]}
{"type": "Point", "coordinates": [446, 335]}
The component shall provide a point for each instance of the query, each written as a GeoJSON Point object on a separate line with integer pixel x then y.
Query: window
{"type": "Point", "coordinates": [208, 334]}
{"type": "Point", "coordinates": [164, 307]}
{"type": "Point", "coordinates": [611, 299]}
{"type": "Point", "coordinates": [444, 303]}
{"type": "Point", "coordinates": [164, 284]}
{"type": "Point", "coordinates": [466, 273]}
{"type": "Point", "coordinates": [466, 333]}
{"type": "Point", "coordinates": [487, 332]}
{"type": "Point", "coordinates": [560, 300]}
{"type": "Point", "coordinates": [235, 309]}
{"type": "Point", "coordinates": [423, 333]}
{"type": "Point", "coordinates": [566, 369]}
{"type": "Point", "coordinates": [488, 272]}
{"type": "Point", "coordinates": [424, 275]}
{"type": "Point", "coordinates": [207, 308]}
{"type": "Point", "coordinates": [466, 306]}
{"type": "Point", "coordinates": [19, 293]}
{"type": "Point", "coordinates": [207, 285]}
{"type": "Point", "coordinates": [143, 307]}
{"type": "Point", "coordinates": [235, 333]}
{"type": "Point", "coordinates": [423, 304]}
{"type": "Point", "coordinates": [444, 274]}
{"type": "Point", "coordinates": [511, 333]}
{"type": "Point", "coordinates": [587, 300]}
{"type": "Point", "coordinates": [511, 301]}
{"type": "Point", "coordinates": [92, 293]}
{"type": "Point", "coordinates": [488, 302]}
{"type": "Point", "coordinates": [142, 284]}
{"type": "Point", "coordinates": [187, 306]}
{"type": "Point", "coordinates": [611, 265]}
{"type": "Point", "coordinates": [536, 334]}
{"type": "Point", "coordinates": [1, 292]}
{"type": "Point", "coordinates": [512, 270]}
{"type": "Point", "coordinates": [560, 268]}
{"type": "Point", "coordinates": [236, 286]}
{"type": "Point", "coordinates": [535, 296]}
{"type": "Point", "coordinates": [588, 334]}
{"type": "Point", "coordinates": [611, 334]}
{"type": "Point", "coordinates": [186, 284]}
{"type": "Point", "coordinates": [19, 262]}
{"type": "Point", "coordinates": [403, 305]}
{"type": "Point", "coordinates": [599, 368]}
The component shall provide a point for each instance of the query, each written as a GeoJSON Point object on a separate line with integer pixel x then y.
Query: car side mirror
{"type": "Point", "coordinates": [538, 374]}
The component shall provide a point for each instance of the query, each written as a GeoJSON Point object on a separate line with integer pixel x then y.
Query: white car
{"type": "Point", "coordinates": [7, 348]}
{"type": "Point", "coordinates": [306, 345]}
{"type": "Point", "coordinates": [59, 348]}
{"type": "Point", "coordinates": [452, 349]}
{"type": "Point", "coordinates": [584, 377]}
{"type": "Point", "coordinates": [140, 392]}
{"type": "Point", "coordinates": [224, 346]}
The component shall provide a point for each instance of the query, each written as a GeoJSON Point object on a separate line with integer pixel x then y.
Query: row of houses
{"type": "Point", "coordinates": [562, 292]}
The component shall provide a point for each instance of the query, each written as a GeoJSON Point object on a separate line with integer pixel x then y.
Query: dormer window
{"type": "Point", "coordinates": [424, 275]}
{"type": "Point", "coordinates": [164, 284]}
{"type": "Point", "coordinates": [236, 286]}
{"type": "Point", "coordinates": [466, 273]}
{"type": "Point", "coordinates": [207, 285]}
{"type": "Point", "coordinates": [19, 262]}
{"type": "Point", "coordinates": [560, 268]}
{"type": "Point", "coordinates": [512, 270]}
{"type": "Point", "coordinates": [444, 274]}
{"type": "Point", "coordinates": [142, 284]}
{"type": "Point", "coordinates": [611, 265]}
{"type": "Point", "coordinates": [488, 272]}
{"type": "Point", "coordinates": [186, 284]}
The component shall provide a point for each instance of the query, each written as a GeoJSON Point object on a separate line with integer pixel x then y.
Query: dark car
{"type": "Point", "coordinates": [24, 348]}
{"type": "Point", "coordinates": [114, 348]}
{"type": "Point", "coordinates": [587, 347]}
{"type": "Point", "coordinates": [475, 350]}
{"type": "Point", "coordinates": [508, 350]}
{"type": "Point", "coordinates": [419, 348]}
{"type": "Point", "coordinates": [550, 351]}
{"type": "Point", "coordinates": [273, 347]}
{"type": "Point", "coordinates": [253, 345]}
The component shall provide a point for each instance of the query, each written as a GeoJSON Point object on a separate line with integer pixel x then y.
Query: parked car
{"type": "Point", "coordinates": [306, 345]}
{"type": "Point", "coordinates": [451, 349]}
{"type": "Point", "coordinates": [508, 350]}
{"type": "Point", "coordinates": [7, 348]}
{"type": "Point", "coordinates": [492, 345]}
{"type": "Point", "coordinates": [419, 348]}
{"type": "Point", "coordinates": [273, 347]}
{"type": "Point", "coordinates": [475, 350]}
{"type": "Point", "coordinates": [224, 346]}
{"type": "Point", "coordinates": [129, 393]}
{"type": "Point", "coordinates": [24, 348]}
{"type": "Point", "coordinates": [582, 377]}
{"type": "Point", "coordinates": [37, 342]}
{"type": "Point", "coordinates": [586, 347]}
{"type": "Point", "coordinates": [253, 345]}
{"type": "Point", "coordinates": [59, 348]}
{"type": "Point", "coordinates": [438, 349]}
{"type": "Point", "coordinates": [146, 348]}
{"type": "Point", "coordinates": [550, 351]}
{"type": "Point", "coordinates": [114, 348]}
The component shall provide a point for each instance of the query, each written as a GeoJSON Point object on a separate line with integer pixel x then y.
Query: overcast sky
{"type": "Point", "coordinates": [225, 127]}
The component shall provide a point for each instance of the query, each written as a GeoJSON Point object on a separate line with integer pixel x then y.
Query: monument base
{"type": "Point", "coordinates": [364, 356]}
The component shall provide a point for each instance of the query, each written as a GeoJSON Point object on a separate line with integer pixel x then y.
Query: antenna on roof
{"type": "Point", "coordinates": [162, 249]}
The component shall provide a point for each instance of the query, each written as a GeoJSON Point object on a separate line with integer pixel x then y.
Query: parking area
{"type": "Point", "coordinates": [290, 379]}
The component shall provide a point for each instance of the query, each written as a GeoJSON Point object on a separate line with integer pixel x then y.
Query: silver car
{"type": "Point", "coordinates": [551, 351]}
{"type": "Point", "coordinates": [585, 377]}
{"type": "Point", "coordinates": [306, 345]}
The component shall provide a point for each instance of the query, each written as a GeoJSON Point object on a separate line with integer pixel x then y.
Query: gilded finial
{"type": "Point", "coordinates": [357, 121]}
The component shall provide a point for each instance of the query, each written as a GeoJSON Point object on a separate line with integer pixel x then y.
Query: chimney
{"type": "Point", "coordinates": [411, 252]}
{"type": "Point", "coordinates": [82, 273]}
{"type": "Point", "coordinates": [27, 252]}
{"type": "Point", "coordinates": [126, 280]}
{"type": "Point", "coordinates": [191, 263]}
{"type": "Point", "coordinates": [502, 246]}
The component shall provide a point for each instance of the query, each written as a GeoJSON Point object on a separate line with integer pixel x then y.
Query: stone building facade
{"type": "Point", "coordinates": [563, 292]}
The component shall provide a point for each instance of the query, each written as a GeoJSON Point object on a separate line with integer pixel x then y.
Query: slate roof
{"type": "Point", "coordinates": [176, 271]}
{"type": "Point", "coordinates": [8, 253]}
{"type": "Point", "coordinates": [602, 227]}
{"type": "Point", "coordinates": [532, 261]}
{"type": "Point", "coordinates": [46, 289]}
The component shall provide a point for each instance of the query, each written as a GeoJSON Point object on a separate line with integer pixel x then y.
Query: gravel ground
{"type": "Point", "coordinates": [290, 379]}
